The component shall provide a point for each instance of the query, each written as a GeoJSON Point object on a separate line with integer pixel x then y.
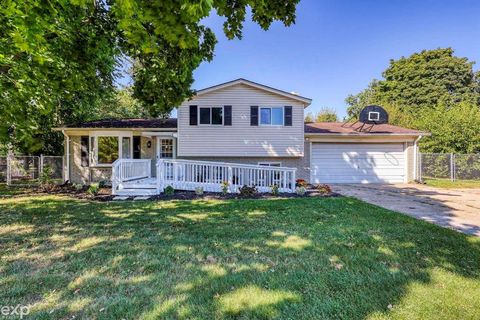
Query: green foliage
{"type": "Point", "coordinates": [300, 191]}
{"type": "Point", "coordinates": [326, 115]}
{"type": "Point", "coordinates": [103, 184]}
{"type": "Point", "coordinates": [274, 190]}
{"type": "Point", "coordinates": [247, 191]}
{"type": "Point", "coordinates": [93, 189]}
{"type": "Point", "coordinates": [454, 129]}
{"type": "Point", "coordinates": [309, 117]}
{"type": "Point", "coordinates": [59, 59]}
{"type": "Point", "coordinates": [225, 186]}
{"type": "Point", "coordinates": [46, 176]}
{"type": "Point", "coordinates": [433, 91]}
{"type": "Point", "coordinates": [199, 191]}
{"type": "Point", "coordinates": [169, 191]}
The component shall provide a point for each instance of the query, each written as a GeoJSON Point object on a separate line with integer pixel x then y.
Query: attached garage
{"type": "Point", "coordinates": [355, 153]}
{"type": "Point", "coordinates": [358, 163]}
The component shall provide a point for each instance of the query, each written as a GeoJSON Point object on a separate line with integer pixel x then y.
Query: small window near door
{"type": "Point", "coordinates": [166, 148]}
{"type": "Point", "coordinates": [126, 148]}
{"type": "Point", "coordinates": [270, 164]}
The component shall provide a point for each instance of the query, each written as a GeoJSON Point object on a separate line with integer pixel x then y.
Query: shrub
{"type": "Point", "coordinates": [45, 178]}
{"type": "Point", "coordinates": [225, 186]}
{"type": "Point", "coordinates": [274, 190]}
{"type": "Point", "coordinates": [300, 191]}
{"type": "Point", "coordinates": [199, 191]}
{"type": "Point", "coordinates": [78, 186]}
{"type": "Point", "coordinates": [104, 183]}
{"type": "Point", "coordinates": [323, 189]}
{"type": "Point", "coordinates": [93, 189]}
{"type": "Point", "coordinates": [247, 191]}
{"type": "Point", "coordinates": [301, 183]}
{"type": "Point", "coordinates": [169, 191]}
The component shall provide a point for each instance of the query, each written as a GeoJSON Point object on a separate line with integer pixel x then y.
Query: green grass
{"type": "Point", "coordinates": [448, 184]}
{"type": "Point", "coordinates": [286, 258]}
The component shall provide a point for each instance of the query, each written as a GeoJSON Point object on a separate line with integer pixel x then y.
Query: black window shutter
{"type": "Point", "coordinates": [227, 115]}
{"type": "Point", "coordinates": [193, 115]}
{"type": "Point", "coordinates": [254, 115]}
{"type": "Point", "coordinates": [288, 116]}
{"type": "Point", "coordinates": [84, 151]}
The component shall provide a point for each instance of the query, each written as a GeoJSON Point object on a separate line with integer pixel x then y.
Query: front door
{"type": "Point", "coordinates": [164, 148]}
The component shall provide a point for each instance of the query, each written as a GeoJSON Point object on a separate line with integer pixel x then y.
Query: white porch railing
{"type": "Point", "coordinates": [190, 174]}
{"type": "Point", "coordinates": [124, 170]}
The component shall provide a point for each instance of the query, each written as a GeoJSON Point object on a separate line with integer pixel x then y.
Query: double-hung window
{"type": "Point", "coordinates": [211, 115]}
{"type": "Point", "coordinates": [271, 116]}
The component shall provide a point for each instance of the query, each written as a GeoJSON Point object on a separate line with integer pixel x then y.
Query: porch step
{"type": "Point", "coordinates": [137, 192]}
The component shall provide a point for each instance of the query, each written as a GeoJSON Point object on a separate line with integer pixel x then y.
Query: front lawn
{"type": "Point", "coordinates": [449, 184]}
{"type": "Point", "coordinates": [287, 258]}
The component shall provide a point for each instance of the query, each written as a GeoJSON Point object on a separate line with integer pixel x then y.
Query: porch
{"type": "Point", "coordinates": [134, 176]}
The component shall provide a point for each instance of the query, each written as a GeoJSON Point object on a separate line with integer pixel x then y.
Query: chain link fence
{"type": "Point", "coordinates": [449, 166]}
{"type": "Point", "coordinates": [27, 170]}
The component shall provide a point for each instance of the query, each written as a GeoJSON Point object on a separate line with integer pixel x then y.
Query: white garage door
{"type": "Point", "coordinates": [357, 163]}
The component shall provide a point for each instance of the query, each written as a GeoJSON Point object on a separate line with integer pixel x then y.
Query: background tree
{"type": "Point", "coordinates": [59, 59]}
{"type": "Point", "coordinates": [433, 91]}
{"type": "Point", "coordinates": [309, 117]}
{"type": "Point", "coordinates": [326, 115]}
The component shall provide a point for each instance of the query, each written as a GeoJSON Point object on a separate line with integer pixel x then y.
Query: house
{"type": "Point", "coordinates": [240, 132]}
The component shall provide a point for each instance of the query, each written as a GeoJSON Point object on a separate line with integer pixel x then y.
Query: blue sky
{"type": "Point", "coordinates": [337, 47]}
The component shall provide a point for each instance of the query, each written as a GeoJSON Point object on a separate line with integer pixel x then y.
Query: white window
{"type": "Point", "coordinates": [271, 116]}
{"type": "Point", "coordinates": [109, 147]}
{"type": "Point", "coordinates": [273, 178]}
{"type": "Point", "coordinates": [373, 116]}
{"type": "Point", "coordinates": [211, 115]}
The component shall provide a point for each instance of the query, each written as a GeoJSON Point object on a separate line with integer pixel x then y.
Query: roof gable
{"type": "Point", "coordinates": [304, 100]}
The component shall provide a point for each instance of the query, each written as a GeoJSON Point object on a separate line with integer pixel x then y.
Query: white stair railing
{"type": "Point", "coordinates": [191, 174]}
{"type": "Point", "coordinates": [124, 170]}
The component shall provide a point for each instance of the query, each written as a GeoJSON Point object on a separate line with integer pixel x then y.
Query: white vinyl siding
{"type": "Point", "coordinates": [240, 139]}
{"type": "Point", "coordinates": [358, 163]}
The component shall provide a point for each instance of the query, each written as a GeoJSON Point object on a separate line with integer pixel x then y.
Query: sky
{"type": "Point", "coordinates": [337, 47]}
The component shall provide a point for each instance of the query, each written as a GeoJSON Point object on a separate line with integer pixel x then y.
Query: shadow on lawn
{"type": "Point", "coordinates": [302, 258]}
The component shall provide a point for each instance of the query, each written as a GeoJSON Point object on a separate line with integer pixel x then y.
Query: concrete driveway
{"type": "Point", "coordinates": [454, 209]}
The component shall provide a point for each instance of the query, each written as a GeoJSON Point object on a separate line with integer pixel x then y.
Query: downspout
{"type": "Point", "coordinates": [67, 157]}
{"type": "Point", "coordinates": [415, 158]}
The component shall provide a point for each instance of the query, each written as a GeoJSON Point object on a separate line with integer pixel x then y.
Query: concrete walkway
{"type": "Point", "coordinates": [455, 209]}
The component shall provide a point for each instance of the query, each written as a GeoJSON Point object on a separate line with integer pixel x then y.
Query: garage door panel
{"type": "Point", "coordinates": [357, 163]}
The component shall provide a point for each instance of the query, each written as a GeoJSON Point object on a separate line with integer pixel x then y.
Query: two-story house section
{"type": "Point", "coordinates": [243, 121]}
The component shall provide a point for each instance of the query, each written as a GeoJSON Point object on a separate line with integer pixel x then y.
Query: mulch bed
{"type": "Point", "coordinates": [104, 194]}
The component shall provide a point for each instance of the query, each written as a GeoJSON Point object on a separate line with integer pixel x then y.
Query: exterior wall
{"type": "Point", "coordinates": [84, 175]}
{"type": "Point", "coordinates": [301, 163]}
{"type": "Point", "coordinates": [240, 139]}
{"type": "Point", "coordinates": [410, 161]}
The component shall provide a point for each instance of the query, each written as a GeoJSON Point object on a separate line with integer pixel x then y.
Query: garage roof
{"type": "Point", "coordinates": [341, 128]}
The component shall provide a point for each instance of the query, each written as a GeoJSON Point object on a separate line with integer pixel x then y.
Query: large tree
{"type": "Point", "coordinates": [425, 91]}
{"type": "Point", "coordinates": [59, 58]}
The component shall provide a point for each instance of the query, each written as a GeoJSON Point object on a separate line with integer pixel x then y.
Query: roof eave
{"type": "Point", "coordinates": [415, 134]}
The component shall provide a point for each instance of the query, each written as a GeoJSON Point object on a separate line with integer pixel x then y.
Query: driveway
{"type": "Point", "coordinates": [454, 209]}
